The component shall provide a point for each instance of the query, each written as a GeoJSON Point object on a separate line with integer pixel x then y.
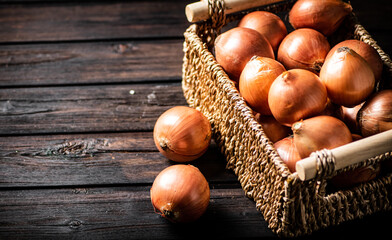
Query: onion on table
{"type": "Point", "coordinates": [180, 193]}
{"type": "Point", "coordinates": [182, 134]}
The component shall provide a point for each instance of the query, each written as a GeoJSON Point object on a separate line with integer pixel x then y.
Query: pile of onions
{"type": "Point", "coordinates": [303, 48]}
{"type": "Point", "coordinates": [364, 50]}
{"type": "Point", "coordinates": [182, 134]}
{"type": "Point", "coordinates": [296, 94]}
{"type": "Point", "coordinates": [324, 16]}
{"type": "Point", "coordinates": [255, 82]}
{"type": "Point", "coordinates": [319, 132]}
{"type": "Point", "coordinates": [288, 152]}
{"type": "Point", "coordinates": [235, 47]}
{"type": "Point", "coordinates": [272, 128]}
{"type": "Point", "coordinates": [180, 193]}
{"type": "Point", "coordinates": [348, 77]}
{"type": "Point", "coordinates": [267, 24]}
{"type": "Point", "coordinates": [375, 116]}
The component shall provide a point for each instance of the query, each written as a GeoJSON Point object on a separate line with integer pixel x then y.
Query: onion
{"type": "Point", "coordinates": [288, 152]}
{"type": "Point", "coordinates": [375, 116]}
{"type": "Point", "coordinates": [267, 24]}
{"type": "Point", "coordinates": [348, 77]}
{"type": "Point", "coordinates": [319, 132]}
{"type": "Point", "coordinates": [356, 176]}
{"type": "Point", "coordinates": [272, 128]}
{"type": "Point", "coordinates": [182, 134]}
{"type": "Point", "coordinates": [303, 48]}
{"type": "Point", "coordinates": [332, 110]}
{"type": "Point", "coordinates": [296, 94]}
{"type": "Point", "coordinates": [366, 51]}
{"type": "Point", "coordinates": [180, 193]}
{"type": "Point", "coordinates": [350, 117]}
{"type": "Point", "coordinates": [235, 47]}
{"type": "Point", "coordinates": [256, 80]}
{"type": "Point", "coordinates": [323, 15]}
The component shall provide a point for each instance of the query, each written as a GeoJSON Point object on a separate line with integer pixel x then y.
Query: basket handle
{"type": "Point", "coordinates": [345, 155]}
{"type": "Point", "coordinates": [198, 11]}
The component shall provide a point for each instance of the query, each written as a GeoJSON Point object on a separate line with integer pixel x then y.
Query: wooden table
{"type": "Point", "coordinates": [81, 86]}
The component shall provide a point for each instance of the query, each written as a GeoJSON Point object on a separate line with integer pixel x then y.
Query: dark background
{"type": "Point", "coordinates": [81, 86]}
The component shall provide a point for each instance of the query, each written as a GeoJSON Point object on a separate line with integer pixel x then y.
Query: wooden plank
{"type": "Point", "coordinates": [117, 213]}
{"type": "Point", "coordinates": [126, 212]}
{"type": "Point", "coordinates": [93, 159]}
{"type": "Point", "coordinates": [60, 21]}
{"type": "Point", "coordinates": [89, 63]}
{"type": "Point", "coordinates": [108, 108]}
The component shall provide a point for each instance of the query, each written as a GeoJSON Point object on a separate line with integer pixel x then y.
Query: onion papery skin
{"type": "Point", "coordinates": [348, 77]}
{"type": "Point", "coordinates": [296, 94]}
{"type": "Point", "coordinates": [235, 47]}
{"type": "Point", "coordinates": [255, 82]}
{"type": "Point", "coordinates": [288, 152]}
{"type": "Point", "coordinates": [182, 134]}
{"type": "Point", "coordinates": [272, 128]}
{"type": "Point", "coordinates": [333, 110]}
{"type": "Point", "coordinates": [267, 24]}
{"type": "Point", "coordinates": [323, 15]}
{"type": "Point", "coordinates": [356, 176]}
{"type": "Point", "coordinates": [350, 117]}
{"type": "Point", "coordinates": [364, 50]}
{"type": "Point", "coordinates": [375, 115]}
{"type": "Point", "coordinates": [180, 193]}
{"type": "Point", "coordinates": [319, 132]}
{"type": "Point", "coordinates": [303, 48]}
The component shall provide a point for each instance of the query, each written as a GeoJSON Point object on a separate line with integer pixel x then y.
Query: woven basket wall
{"type": "Point", "coordinates": [291, 207]}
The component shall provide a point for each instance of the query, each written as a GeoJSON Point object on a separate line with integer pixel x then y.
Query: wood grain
{"type": "Point", "coordinates": [106, 108]}
{"type": "Point", "coordinates": [90, 63]}
{"type": "Point", "coordinates": [62, 21]}
{"type": "Point", "coordinates": [93, 159]}
{"type": "Point", "coordinates": [124, 212]}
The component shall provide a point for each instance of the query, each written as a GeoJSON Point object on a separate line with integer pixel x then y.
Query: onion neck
{"type": "Point", "coordinates": [164, 144]}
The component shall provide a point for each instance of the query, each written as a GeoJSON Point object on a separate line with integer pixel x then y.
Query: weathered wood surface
{"type": "Point", "coordinates": [81, 86]}
{"type": "Point", "coordinates": [90, 62]}
{"type": "Point", "coordinates": [90, 20]}
{"type": "Point", "coordinates": [104, 108]}
{"type": "Point", "coordinates": [92, 159]}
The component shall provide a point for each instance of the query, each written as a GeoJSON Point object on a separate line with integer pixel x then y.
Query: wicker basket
{"type": "Point", "coordinates": [290, 206]}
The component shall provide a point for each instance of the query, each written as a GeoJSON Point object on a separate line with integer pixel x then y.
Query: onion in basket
{"type": "Point", "coordinates": [375, 116]}
{"type": "Point", "coordinates": [235, 47]}
{"type": "Point", "coordinates": [319, 132]}
{"type": "Point", "coordinates": [267, 24]}
{"type": "Point", "coordinates": [323, 15]}
{"type": "Point", "coordinates": [364, 50]}
{"type": "Point", "coordinates": [348, 77]}
{"type": "Point", "coordinates": [255, 82]}
{"type": "Point", "coordinates": [303, 48]}
{"type": "Point", "coordinates": [296, 94]}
